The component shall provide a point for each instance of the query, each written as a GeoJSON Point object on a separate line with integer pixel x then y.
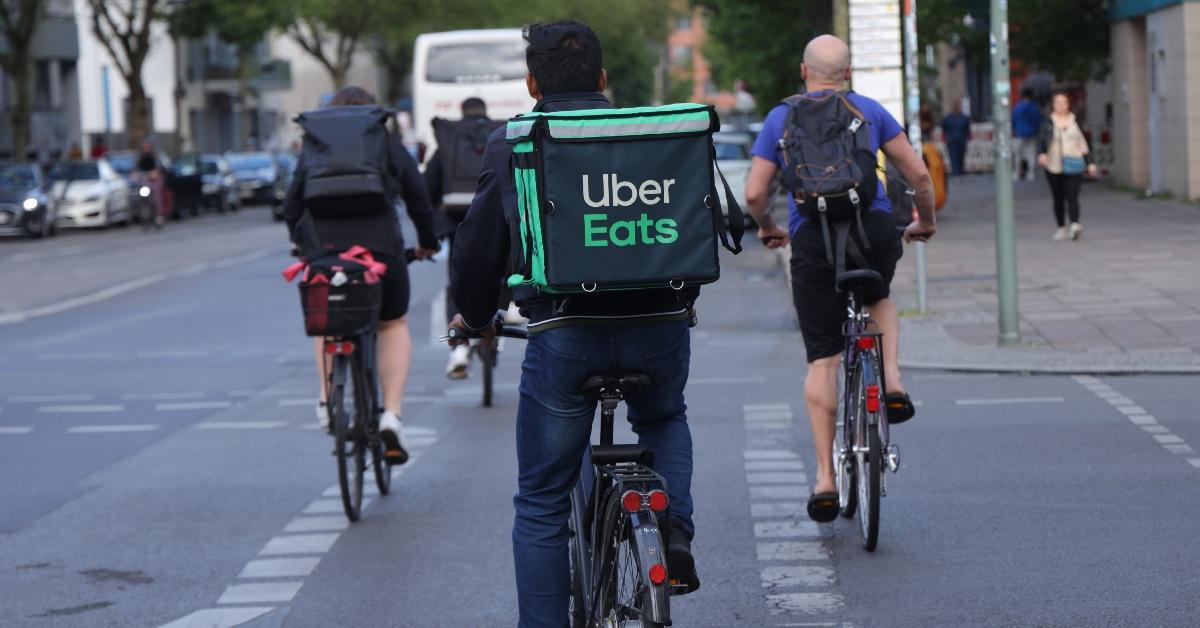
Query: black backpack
{"type": "Point", "coordinates": [828, 164]}
{"type": "Point", "coordinates": [460, 148]}
{"type": "Point", "coordinates": [346, 160]}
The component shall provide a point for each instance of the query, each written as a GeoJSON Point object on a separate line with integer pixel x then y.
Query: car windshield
{"type": "Point", "coordinates": [209, 167]}
{"type": "Point", "coordinates": [249, 161]}
{"type": "Point", "coordinates": [17, 176]}
{"type": "Point", "coordinates": [76, 171]}
{"type": "Point", "coordinates": [476, 63]}
{"type": "Point", "coordinates": [123, 162]}
{"type": "Point", "coordinates": [731, 150]}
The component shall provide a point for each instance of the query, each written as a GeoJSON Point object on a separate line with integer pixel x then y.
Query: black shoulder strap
{"type": "Point", "coordinates": [737, 222]}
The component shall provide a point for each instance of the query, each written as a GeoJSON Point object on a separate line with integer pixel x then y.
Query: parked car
{"type": "Point", "coordinates": [733, 158]}
{"type": "Point", "coordinates": [277, 209]}
{"type": "Point", "coordinates": [208, 181]}
{"type": "Point", "coordinates": [26, 207]}
{"type": "Point", "coordinates": [90, 194]}
{"type": "Point", "coordinates": [260, 177]}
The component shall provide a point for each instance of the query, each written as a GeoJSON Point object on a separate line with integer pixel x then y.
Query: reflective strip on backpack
{"type": "Point", "coordinates": [697, 122]}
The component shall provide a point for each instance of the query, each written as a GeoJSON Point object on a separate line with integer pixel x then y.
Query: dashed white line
{"type": "Point", "coordinates": [12, 430]}
{"type": "Point", "coordinates": [784, 529]}
{"type": "Point", "coordinates": [770, 454]}
{"type": "Point", "coordinates": [1167, 438]}
{"type": "Point", "coordinates": [174, 353]}
{"type": "Point", "coordinates": [192, 405]}
{"type": "Point", "coordinates": [764, 510]}
{"type": "Point", "coordinates": [790, 550]}
{"type": "Point", "coordinates": [796, 576]}
{"type": "Point", "coordinates": [1156, 429]}
{"type": "Point", "coordinates": [807, 603]}
{"type": "Point", "coordinates": [777, 477]}
{"type": "Point", "coordinates": [219, 617]}
{"type": "Point", "coordinates": [299, 544]}
{"type": "Point", "coordinates": [291, 403]}
{"type": "Point", "coordinates": [80, 409]}
{"type": "Point", "coordinates": [239, 425]}
{"type": "Point", "coordinates": [259, 592]}
{"type": "Point", "coordinates": [331, 523]}
{"type": "Point", "coordinates": [1195, 462]}
{"type": "Point", "coordinates": [1130, 410]}
{"type": "Point", "coordinates": [112, 429]}
{"type": "Point", "coordinates": [1141, 419]}
{"type": "Point", "coordinates": [778, 492]}
{"type": "Point", "coordinates": [164, 396]}
{"type": "Point", "coordinates": [767, 425]}
{"type": "Point", "coordinates": [1002, 401]}
{"type": "Point", "coordinates": [328, 506]}
{"type": "Point", "coordinates": [280, 567]}
{"type": "Point", "coordinates": [774, 465]}
{"type": "Point", "coordinates": [49, 398]}
{"type": "Point", "coordinates": [1138, 416]}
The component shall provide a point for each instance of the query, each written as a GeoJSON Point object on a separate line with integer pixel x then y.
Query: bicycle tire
{"type": "Point", "coordinates": [868, 464]}
{"type": "Point", "coordinates": [487, 356]}
{"type": "Point", "coordinates": [620, 566]}
{"type": "Point", "coordinates": [383, 471]}
{"type": "Point", "coordinates": [346, 448]}
{"type": "Point", "coordinates": [576, 552]}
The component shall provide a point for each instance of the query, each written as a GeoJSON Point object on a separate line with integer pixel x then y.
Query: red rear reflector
{"type": "Point", "coordinates": [866, 343]}
{"type": "Point", "coordinates": [658, 574]}
{"type": "Point", "coordinates": [330, 348]}
{"type": "Point", "coordinates": [631, 501]}
{"type": "Point", "coordinates": [658, 501]}
{"type": "Point", "coordinates": [873, 398]}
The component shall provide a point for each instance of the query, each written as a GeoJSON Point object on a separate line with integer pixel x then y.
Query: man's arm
{"type": "Point", "coordinates": [293, 200]}
{"type": "Point", "coordinates": [433, 178]}
{"type": "Point", "coordinates": [479, 258]}
{"type": "Point", "coordinates": [900, 153]}
{"type": "Point", "coordinates": [758, 191]}
{"type": "Point", "coordinates": [416, 198]}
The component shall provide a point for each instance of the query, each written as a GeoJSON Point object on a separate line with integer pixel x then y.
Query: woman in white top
{"type": "Point", "coordinates": [1063, 152]}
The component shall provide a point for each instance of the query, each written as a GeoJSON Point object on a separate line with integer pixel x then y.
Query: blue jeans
{"type": "Point", "coordinates": [554, 425]}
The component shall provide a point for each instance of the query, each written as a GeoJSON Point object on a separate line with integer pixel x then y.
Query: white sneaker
{"type": "Point", "coordinates": [512, 316]}
{"type": "Point", "coordinates": [460, 359]}
{"type": "Point", "coordinates": [391, 433]}
{"type": "Point", "coordinates": [1060, 234]}
{"type": "Point", "coordinates": [1076, 231]}
{"type": "Point", "coordinates": [323, 414]}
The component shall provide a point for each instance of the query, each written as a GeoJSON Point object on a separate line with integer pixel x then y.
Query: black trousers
{"type": "Point", "coordinates": [1065, 188]}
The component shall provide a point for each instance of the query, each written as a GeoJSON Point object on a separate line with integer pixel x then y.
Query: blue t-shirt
{"type": "Point", "coordinates": [883, 128]}
{"type": "Point", "coordinates": [1026, 119]}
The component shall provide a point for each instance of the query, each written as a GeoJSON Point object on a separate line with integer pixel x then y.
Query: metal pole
{"type": "Point", "coordinates": [912, 105]}
{"type": "Point", "coordinates": [1006, 245]}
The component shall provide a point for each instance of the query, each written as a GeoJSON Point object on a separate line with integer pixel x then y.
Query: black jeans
{"type": "Point", "coordinates": [1065, 188]}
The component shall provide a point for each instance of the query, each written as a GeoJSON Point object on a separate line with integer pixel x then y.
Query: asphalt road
{"type": "Point", "coordinates": [158, 466]}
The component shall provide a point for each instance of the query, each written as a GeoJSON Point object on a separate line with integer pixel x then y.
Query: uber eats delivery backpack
{"type": "Point", "coordinates": [618, 199]}
{"type": "Point", "coordinates": [347, 166]}
{"type": "Point", "coordinates": [828, 164]}
{"type": "Point", "coordinates": [460, 146]}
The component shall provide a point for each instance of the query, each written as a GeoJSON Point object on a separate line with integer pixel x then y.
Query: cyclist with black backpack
{"type": "Point", "coordinates": [584, 212]}
{"type": "Point", "coordinates": [824, 144]}
{"type": "Point", "coordinates": [350, 171]}
{"type": "Point", "coordinates": [451, 175]}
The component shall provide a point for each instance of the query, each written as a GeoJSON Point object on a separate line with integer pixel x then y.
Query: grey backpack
{"type": "Point", "coordinates": [346, 161]}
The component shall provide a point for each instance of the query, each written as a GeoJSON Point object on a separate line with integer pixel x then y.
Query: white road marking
{"type": "Point", "coordinates": [1180, 449]}
{"type": "Point", "coordinates": [1195, 462]}
{"type": "Point", "coordinates": [777, 477]}
{"type": "Point", "coordinates": [299, 544]}
{"type": "Point", "coordinates": [952, 376]}
{"type": "Point", "coordinates": [1156, 429]}
{"type": "Point", "coordinates": [1141, 419]}
{"type": "Point", "coordinates": [1129, 410]}
{"type": "Point", "coordinates": [242, 393]}
{"type": "Point", "coordinates": [437, 319]}
{"type": "Point", "coordinates": [80, 409]}
{"type": "Point", "coordinates": [289, 403]}
{"type": "Point", "coordinates": [280, 567]}
{"type": "Point", "coordinates": [219, 617]}
{"type": "Point", "coordinates": [777, 509]}
{"type": "Point", "coordinates": [785, 529]}
{"type": "Point", "coordinates": [112, 429]}
{"type": "Point", "coordinates": [87, 299]}
{"type": "Point", "coordinates": [768, 415]}
{"type": "Point", "coordinates": [49, 398]}
{"type": "Point", "coordinates": [721, 381]}
{"type": "Point", "coordinates": [1002, 401]}
{"type": "Point", "coordinates": [15, 430]}
{"type": "Point", "coordinates": [808, 603]}
{"type": "Point", "coordinates": [1117, 400]}
{"type": "Point", "coordinates": [1138, 416]}
{"type": "Point", "coordinates": [791, 550]}
{"type": "Point", "coordinates": [334, 523]}
{"type": "Point", "coordinates": [770, 454]}
{"type": "Point", "coordinates": [796, 576]}
{"type": "Point", "coordinates": [767, 425]}
{"type": "Point", "coordinates": [239, 425]}
{"type": "Point", "coordinates": [259, 592]}
{"type": "Point", "coordinates": [192, 405]}
{"type": "Point", "coordinates": [328, 506]}
{"type": "Point", "coordinates": [77, 355]}
{"type": "Point", "coordinates": [1168, 439]}
{"type": "Point", "coordinates": [774, 465]}
{"type": "Point", "coordinates": [767, 407]}
{"type": "Point", "coordinates": [167, 396]}
{"type": "Point", "coordinates": [778, 492]}
{"type": "Point", "coordinates": [173, 353]}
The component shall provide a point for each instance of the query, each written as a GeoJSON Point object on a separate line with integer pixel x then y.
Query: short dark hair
{"type": "Point", "coordinates": [473, 107]}
{"type": "Point", "coordinates": [1027, 93]}
{"type": "Point", "coordinates": [351, 95]}
{"type": "Point", "coordinates": [563, 56]}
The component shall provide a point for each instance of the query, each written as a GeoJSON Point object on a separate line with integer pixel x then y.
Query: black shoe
{"type": "Point", "coordinates": [680, 564]}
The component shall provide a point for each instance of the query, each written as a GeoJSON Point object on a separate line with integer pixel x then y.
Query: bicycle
{"type": "Point", "coordinates": [619, 506]}
{"type": "Point", "coordinates": [862, 449]}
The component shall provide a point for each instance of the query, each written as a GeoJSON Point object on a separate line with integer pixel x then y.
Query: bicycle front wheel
{"type": "Point", "coordinates": [487, 357]}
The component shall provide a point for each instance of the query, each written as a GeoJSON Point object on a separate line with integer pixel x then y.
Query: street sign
{"type": "Point", "coordinates": [876, 53]}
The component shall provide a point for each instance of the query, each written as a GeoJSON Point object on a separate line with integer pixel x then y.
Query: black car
{"type": "Point", "coordinates": [26, 206]}
{"type": "Point", "coordinates": [260, 177]}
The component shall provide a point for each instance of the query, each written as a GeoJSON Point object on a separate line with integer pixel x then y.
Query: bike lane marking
{"type": "Point", "coordinates": [1139, 417]}
{"type": "Point", "coordinates": [795, 566]}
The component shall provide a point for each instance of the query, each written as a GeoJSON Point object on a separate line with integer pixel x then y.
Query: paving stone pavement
{"type": "Point", "coordinates": [1125, 297]}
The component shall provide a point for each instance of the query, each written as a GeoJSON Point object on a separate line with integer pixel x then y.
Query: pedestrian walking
{"type": "Point", "coordinates": [1026, 125]}
{"type": "Point", "coordinates": [1063, 152]}
{"type": "Point", "coordinates": [957, 129]}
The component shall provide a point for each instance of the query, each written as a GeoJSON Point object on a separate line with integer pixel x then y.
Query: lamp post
{"type": "Point", "coordinates": [1009, 316]}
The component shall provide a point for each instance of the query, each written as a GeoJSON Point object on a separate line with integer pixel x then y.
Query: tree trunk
{"type": "Point", "coordinates": [338, 72]}
{"type": "Point", "coordinates": [139, 113]}
{"type": "Point", "coordinates": [21, 109]}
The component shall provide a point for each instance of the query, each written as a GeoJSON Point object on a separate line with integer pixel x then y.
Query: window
{"type": "Point", "coordinates": [683, 22]}
{"type": "Point", "coordinates": [476, 63]}
{"type": "Point", "coordinates": [681, 54]}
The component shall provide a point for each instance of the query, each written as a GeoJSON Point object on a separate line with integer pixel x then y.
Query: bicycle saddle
{"type": "Point", "coordinates": [855, 280]}
{"type": "Point", "coordinates": [621, 383]}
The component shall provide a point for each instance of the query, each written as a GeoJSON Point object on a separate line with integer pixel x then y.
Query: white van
{"type": "Point", "coordinates": [452, 66]}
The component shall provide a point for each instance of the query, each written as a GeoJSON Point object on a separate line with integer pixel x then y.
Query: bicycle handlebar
{"type": "Point", "coordinates": [519, 332]}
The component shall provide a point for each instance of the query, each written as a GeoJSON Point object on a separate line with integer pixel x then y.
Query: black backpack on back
{"type": "Point", "coordinates": [828, 164]}
{"type": "Point", "coordinates": [460, 148]}
{"type": "Point", "coordinates": [346, 160]}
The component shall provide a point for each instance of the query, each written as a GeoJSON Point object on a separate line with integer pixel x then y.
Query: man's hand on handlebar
{"type": "Point", "coordinates": [458, 334]}
{"type": "Point", "coordinates": [773, 236]}
{"type": "Point", "coordinates": [920, 231]}
{"type": "Point", "coordinates": [423, 254]}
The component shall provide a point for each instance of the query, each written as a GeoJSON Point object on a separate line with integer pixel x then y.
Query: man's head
{"type": "Point", "coordinates": [147, 148]}
{"type": "Point", "coordinates": [474, 108]}
{"type": "Point", "coordinates": [563, 57]}
{"type": "Point", "coordinates": [351, 95]}
{"type": "Point", "coordinates": [1027, 93]}
{"type": "Point", "coordinates": [826, 63]}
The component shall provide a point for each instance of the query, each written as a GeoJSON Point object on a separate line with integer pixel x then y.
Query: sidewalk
{"type": "Point", "coordinates": [1125, 298]}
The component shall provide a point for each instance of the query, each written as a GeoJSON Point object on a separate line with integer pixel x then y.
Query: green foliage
{"type": "Point", "coordinates": [237, 22]}
{"type": "Point", "coordinates": [762, 42]}
{"type": "Point", "coordinates": [1068, 38]}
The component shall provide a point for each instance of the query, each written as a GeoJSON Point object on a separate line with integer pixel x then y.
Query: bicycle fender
{"type": "Point", "coordinates": [648, 546]}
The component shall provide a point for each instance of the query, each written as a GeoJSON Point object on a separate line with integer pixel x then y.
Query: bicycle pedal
{"type": "Point", "coordinates": [893, 458]}
{"type": "Point", "coordinates": [678, 588]}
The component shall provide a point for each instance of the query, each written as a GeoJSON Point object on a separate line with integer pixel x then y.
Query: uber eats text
{"type": "Point", "coordinates": [599, 231]}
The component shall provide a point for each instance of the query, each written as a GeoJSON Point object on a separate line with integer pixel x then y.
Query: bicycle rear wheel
{"type": "Point", "coordinates": [624, 597]}
{"type": "Point", "coordinates": [349, 431]}
{"type": "Point", "coordinates": [868, 458]}
{"type": "Point", "coordinates": [577, 550]}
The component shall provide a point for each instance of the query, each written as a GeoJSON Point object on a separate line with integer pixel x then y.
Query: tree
{"type": "Point", "coordinates": [18, 20]}
{"type": "Point", "coordinates": [1068, 38]}
{"type": "Point", "coordinates": [332, 32]}
{"type": "Point", "coordinates": [762, 43]}
{"type": "Point", "coordinates": [123, 28]}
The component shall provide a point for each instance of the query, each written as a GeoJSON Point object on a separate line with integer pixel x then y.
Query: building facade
{"type": "Point", "coordinates": [1156, 95]}
{"type": "Point", "coordinates": [687, 66]}
{"type": "Point", "coordinates": [54, 123]}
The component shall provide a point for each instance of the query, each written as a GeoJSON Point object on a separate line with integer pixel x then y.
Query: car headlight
{"type": "Point", "coordinates": [144, 191]}
{"type": "Point", "coordinates": [30, 204]}
{"type": "Point", "coordinates": [95, 198]}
